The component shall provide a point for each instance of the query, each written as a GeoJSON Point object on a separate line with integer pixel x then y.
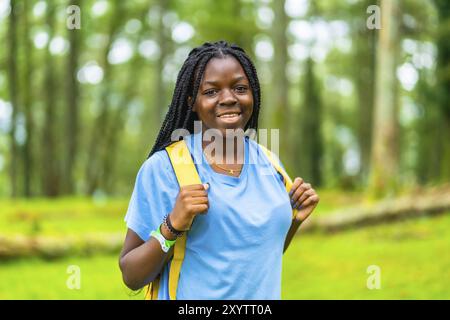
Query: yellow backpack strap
{"type": "Point", "coordinates": [148, 292]}
{"type": "Point", "coordinates": [186, 174]}
{"type": "Point", "coordinates": [152, 289]}
{"type": "Point", "coordinates": [275, 162]}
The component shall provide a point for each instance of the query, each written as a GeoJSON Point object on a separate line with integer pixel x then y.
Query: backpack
{"type": "Point", "coordinates": [187, 174]}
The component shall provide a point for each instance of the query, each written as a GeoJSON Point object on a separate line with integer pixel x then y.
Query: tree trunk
{"type": "Point", "coordinates": [432, 201]}
{"type": "Point", "coordinates": [113, 136]}
{"type": "Point", "coordinates": [27, 93]}
{"type": "Point", "coordinates": [364, 75]}
{"type": "Point", "coordinates": [384, 166]}
{"type": "Point", "coordinates": [310, 118]}
{"type": "Point", "coordinates": [13, 96]}
{"type": "Point", "coordinates": [443, 89]}
{"type": "Point", "coordinates": [97, 145]}
{"type": "Point", "coordinates": [280, 82]}
{"type": "Point", "coordinates": [427, 164]}
{"type": "Point", "coordinates": [162, 39]}
{"type": "Point", "coordinates": [51, 177]}
{"type": "Point", "coordinates": [72, 114]}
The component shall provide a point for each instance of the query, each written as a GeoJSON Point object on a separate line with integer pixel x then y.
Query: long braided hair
{"type": "Point", "coordinates": [180, 114]}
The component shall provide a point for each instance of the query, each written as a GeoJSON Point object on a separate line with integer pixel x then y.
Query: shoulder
{"type": "Point", "coordinates": [261, 151]}
{"type": "Point", "coordinates": [158, 160]}
{"type": "Point", "coordinates": [254, 145]}
{"type": "Point", "coordinates": [266, 157]}
{"type": "Point", "coordinates": [157, 168]}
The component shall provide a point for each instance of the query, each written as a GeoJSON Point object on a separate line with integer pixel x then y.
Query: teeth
{"type": "Point", "coordinates": [231, 115]}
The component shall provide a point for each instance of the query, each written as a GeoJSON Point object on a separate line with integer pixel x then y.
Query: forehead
{"type": "Point", "coordinates": [223, 68]}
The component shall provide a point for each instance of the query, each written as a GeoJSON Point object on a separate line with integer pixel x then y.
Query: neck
{"type": "Point", "coordinates": [225, 150]}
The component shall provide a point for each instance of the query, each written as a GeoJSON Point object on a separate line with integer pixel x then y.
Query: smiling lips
{"type": "Point", "coordinates": [229, 114]}
{"type": "Point", "coordinates": [230, 117]}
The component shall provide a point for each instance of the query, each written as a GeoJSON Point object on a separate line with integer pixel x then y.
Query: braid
{"type": "Point", "coordinates": [200, 70]}
{"type": "Point", "coordinates": [180, 114]}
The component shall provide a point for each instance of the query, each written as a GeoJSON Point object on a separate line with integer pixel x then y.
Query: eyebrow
{"type": "Point", "coordinates": [215, 82]}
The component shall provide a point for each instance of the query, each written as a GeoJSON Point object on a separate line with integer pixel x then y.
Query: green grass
{"type": "Point", "coordinates": [38, 279]}
{"type": "Point", "coordinates": [61, 216]}
{"type": "Point", "coordinates": [413, 255]}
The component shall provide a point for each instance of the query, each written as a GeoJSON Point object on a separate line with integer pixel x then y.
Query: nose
{"type": "Point", "coordinates": [227, 98]}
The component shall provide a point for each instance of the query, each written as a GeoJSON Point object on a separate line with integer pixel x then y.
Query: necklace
{"type": "Point", "coordinates": [225, 169]}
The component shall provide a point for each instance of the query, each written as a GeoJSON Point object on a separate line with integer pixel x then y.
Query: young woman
{"type": "Point", "coordinates": [239, 219]}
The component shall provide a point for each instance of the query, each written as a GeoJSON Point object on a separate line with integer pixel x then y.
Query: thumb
{"type": "Point", "coordinates": [206, 186]}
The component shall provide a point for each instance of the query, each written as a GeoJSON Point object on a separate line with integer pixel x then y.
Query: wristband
{"type": "Point", "coordinates": [171, 229]}
{"type": "Point", "coordinates": [165, 244]}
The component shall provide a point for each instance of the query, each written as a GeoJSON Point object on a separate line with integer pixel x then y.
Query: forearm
{"type": "Point", "coordinates": [142, 265]}
{"type": "Point", "coordinates": [291, 233]}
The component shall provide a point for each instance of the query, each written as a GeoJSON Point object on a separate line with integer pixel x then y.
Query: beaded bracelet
{"type": "Point", "coordinates": [171, 229]}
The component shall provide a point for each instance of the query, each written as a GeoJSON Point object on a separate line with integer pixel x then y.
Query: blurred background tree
{"type": "Point", "coordinates": [82, 107]}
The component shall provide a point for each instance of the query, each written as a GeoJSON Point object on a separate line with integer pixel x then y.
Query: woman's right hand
{"type": "Point", "coordinates": [191, 201]}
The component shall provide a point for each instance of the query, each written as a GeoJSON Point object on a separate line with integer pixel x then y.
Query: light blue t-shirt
{"type": "Point", "coordinates": [235, 250]}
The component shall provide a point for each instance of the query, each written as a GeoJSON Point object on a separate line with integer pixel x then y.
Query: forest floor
{"type": "Point", "coordinates": [411, 255]}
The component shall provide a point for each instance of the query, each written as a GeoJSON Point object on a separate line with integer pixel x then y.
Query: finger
{"type": "Point", "coordinates": [301, 189]}
{"type": "Point", "coordinates": [199, 200]}
{"type": "Point", "coordinates": [297, 182]}
{"type": "Point", "coordinates": [304, 196]}
{"type": "Point", "coordinates": [186, 191]}
{"type": "Point", "coordinates": [200, 208]}
{"type": "Point", "coordinates": [196, 193]}
{"type": "Point", "coordinates": [314, 199]}
{"type": "Point", "coordinates": [198, 186]}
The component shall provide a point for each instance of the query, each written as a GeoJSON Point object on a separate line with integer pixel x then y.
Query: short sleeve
{"type": "Point", "coordinates": [153, 196]}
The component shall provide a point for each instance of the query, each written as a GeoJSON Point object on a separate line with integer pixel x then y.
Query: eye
{"type": "Point", "coordinates": [241, 89]}
{"type": "Point", "coordinates": [210, 92]}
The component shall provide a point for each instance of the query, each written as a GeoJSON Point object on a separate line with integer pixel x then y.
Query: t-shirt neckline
{"type": "Point", "coordinates": [198, 152]}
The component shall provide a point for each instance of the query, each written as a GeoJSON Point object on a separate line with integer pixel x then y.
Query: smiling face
{"type": "Point", "coordinates": [224, 99]}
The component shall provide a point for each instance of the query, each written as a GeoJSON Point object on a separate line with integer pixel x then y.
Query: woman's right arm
{"type": "Point", "coordinates": [141, 261]}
